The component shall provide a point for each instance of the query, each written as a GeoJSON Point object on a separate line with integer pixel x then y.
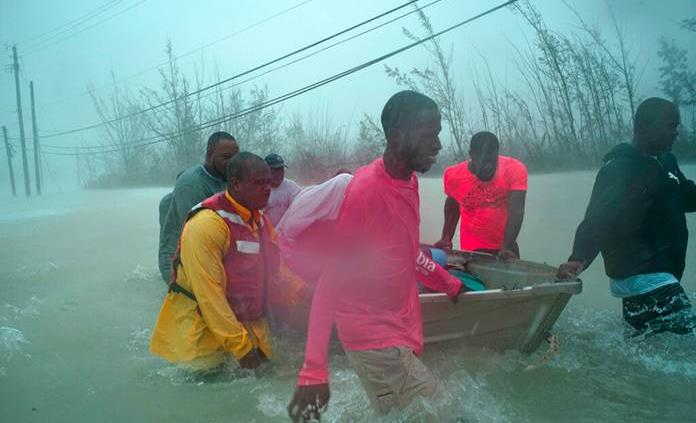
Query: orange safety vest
{"type": "Point", "coordinates": [251, 260]}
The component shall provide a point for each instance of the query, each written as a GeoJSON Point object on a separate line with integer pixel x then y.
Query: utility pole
{"type": "Point", "coordinates": [9, 161]}
{"type": "Point", "coordinates": [35, 133]}
{"type": "Point", "coordinates": [22, 139]}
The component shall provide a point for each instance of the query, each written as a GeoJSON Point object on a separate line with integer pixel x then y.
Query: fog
{"type": "Point", "coordinates": [78, 268]}
{"type": "Point", "coordinates": [68, 48]}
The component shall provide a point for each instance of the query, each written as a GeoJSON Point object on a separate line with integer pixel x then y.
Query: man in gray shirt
{"type": "Point", "coordinates": [192, 186]}
{"type": "Point", "coordinates": [283, 190]}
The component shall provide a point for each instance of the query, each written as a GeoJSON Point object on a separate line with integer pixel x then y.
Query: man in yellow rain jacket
{"type": "Point", "coordinates": [227, 256]}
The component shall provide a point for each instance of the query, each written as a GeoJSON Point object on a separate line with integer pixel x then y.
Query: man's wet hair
{"type": "Point", "coordinates": [240, 165]}
{"type": "Point", "coordinates": [649, 111]}
{"type": "Point", "coordinates": [402, 110]}
{"type": "Point", "coordinates": [481, 139]}
{"type": "Point", "coordinates": [215, 139]}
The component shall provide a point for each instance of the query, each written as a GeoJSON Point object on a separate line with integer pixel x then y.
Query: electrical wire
{"type": "Point", "coordinates": [71, 24]}
{"type": "Point", "coordinates": [188, 53]}
{"type": "Point", "coordinates": [81, 30]}
{"type": "Point", "coordinates": [223, 81]}
{"type": "Point", "coordinates": [291, 62]}
{"type": "Point", "coordinates": [287, 96]}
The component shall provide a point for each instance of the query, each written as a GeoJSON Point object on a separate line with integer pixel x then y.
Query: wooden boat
{"type": "Point", "coordinates": [517, 310]}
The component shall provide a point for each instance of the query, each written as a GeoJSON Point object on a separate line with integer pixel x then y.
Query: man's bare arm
{"type": "Point", "coordinates": [515, 218]}
{"type": "Point", "coordinates": [451, 211]}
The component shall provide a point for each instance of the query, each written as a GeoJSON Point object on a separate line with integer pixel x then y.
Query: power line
{"type": "Point", "coordinates": [71, 24]}
{"type": "Point", "coordinates": [188, 53]}
{"type": "Point", "coordinates": [43, 46]}
{"type": "Point", "coordinates": [288, 64]}
{"type": "Point", "coordinates": [234, 34]}
{"type": "Point", "coordinates": [287, 96]}
{"type": "Point", "coordinates": [239, 75]}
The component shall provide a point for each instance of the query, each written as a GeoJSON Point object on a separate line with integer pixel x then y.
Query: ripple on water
{"type": "Point", "coordinates": [12, 341]}
{"type": "Point", "coordinates": [483, 386]}
{"type": "Point", "coordinates": [139, 341]}
{"type": "Point", "coordinates": [12, 313]}
{"type": "Point", "coordinates": [590, 333]}
{"type": "Point", "coordinates": [32, 270]}
{"type": "Point", "coordinates": [665, 353]}
{"type": "Point", "coordinates": [141, 274]}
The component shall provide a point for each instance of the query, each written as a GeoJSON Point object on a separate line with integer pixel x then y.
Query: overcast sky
{"type": "Point", "coordinates": [128, 37]}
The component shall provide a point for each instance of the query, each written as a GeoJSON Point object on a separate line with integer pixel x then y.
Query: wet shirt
{"type": "Point", "coordinates": [636, 215]}
{"type": "Point", "coordinates": [369, 290]}
{"type": "Point", "coordinates": [483, 206]}
{"type": "Point", "coordinates": [280, 200]}
{"type": "Point", "coordinates": [192, 186]}
{"type": "Point", "coordinates": [306, 229]}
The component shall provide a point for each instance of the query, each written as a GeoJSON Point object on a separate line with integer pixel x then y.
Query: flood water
{"type": "Point", "coordinates": [80, 291]}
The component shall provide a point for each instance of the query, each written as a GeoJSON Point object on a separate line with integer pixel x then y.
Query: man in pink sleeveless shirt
{"type": "Point", "coordinates": [488, 192]}
{"type": "Point", "coordinates": [369, 290]}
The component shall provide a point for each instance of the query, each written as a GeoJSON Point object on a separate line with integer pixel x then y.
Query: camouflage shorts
{"type": "Point", "coordinates": [666, 309]}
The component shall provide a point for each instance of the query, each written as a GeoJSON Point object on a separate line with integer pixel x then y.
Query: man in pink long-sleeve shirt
{"type": "Point", "coordinates": [369, 289]}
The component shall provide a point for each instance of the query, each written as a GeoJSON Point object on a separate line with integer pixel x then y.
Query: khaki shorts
{"type": "Point", "coordinates": [392, 377]}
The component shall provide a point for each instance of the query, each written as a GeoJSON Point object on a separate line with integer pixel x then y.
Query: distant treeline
{"type": "Point", "coordinates": [573, 99]}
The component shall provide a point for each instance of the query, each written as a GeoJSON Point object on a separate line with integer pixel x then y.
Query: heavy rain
{"type": "Point", "coordinates": [110, 110]}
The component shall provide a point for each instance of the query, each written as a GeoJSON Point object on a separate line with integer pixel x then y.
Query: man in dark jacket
{"type": "Point", "coordinates": [636, 219]}
{"type": "Point", "coordinates": [192, 186]}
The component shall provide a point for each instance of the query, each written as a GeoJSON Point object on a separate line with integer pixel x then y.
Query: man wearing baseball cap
{"type": "Point", "coordinates": [283, 190]}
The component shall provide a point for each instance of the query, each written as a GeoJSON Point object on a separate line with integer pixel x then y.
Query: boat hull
{"type": "Point", "coordinates": [519, 310]}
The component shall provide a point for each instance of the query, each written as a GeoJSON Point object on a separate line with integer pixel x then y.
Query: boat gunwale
{"type": "Point", "coordinates": [567, 287]}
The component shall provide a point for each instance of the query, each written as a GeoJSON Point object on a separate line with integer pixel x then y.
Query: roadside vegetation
{"type": "Point", "coordinates": [572, 99]}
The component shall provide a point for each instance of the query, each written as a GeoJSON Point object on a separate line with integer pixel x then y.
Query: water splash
{"type": "Point", "coordinates": [141, 274]}
{"type": "Point", "coordinates": [139, 340]}
{"type": "Point", "coordinates": [12, 342]}
{"type": "Point", "coordinates": [11, 313]}
{"type": "Point", "coordinates": [591, 333]}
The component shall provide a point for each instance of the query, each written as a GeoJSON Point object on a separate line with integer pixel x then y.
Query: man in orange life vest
{"type": "Point", "coordinates": [215, 308]}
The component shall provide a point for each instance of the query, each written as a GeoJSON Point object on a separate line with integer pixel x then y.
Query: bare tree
{"type": "Point", "coordinates": [678, 82]}
{"type": "Point", "coordinates": [554, 57]}
{"type": "Point", "coordinates": [689, 24]}
{"type": "Point", "coordinates": [118, 135]}
{"type": "Point", "coordinates": [318, 147]}
{"type": "Point", "coordinates": [620, 59]}
{"type": "Point", "coordinates": [176, 122]}
{"type": "Point", "coordinates": [438, 83]}
{"type": "Point", "coordinates": [370, 143]}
